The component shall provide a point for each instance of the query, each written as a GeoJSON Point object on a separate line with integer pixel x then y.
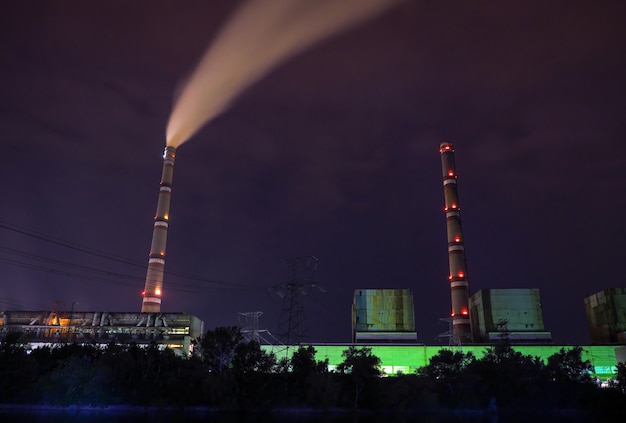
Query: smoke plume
{"type": "Point", "coordinates": [261, 35]}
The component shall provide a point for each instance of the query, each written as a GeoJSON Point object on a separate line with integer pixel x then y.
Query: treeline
{"type": "Point", "coordinates": [227, 373]}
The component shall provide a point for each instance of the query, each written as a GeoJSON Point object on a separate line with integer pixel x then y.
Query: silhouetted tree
{"type": "Point", "coordinates": [620, 377]}
{"type": "Point", "coordinates": [79, 380]}
{"type": "Point", "coordinates": [248, 357]}
{"type": "Point", "coordinates": [17, 368]}
{"type": "Point", "coordinates": [568, 366]}
{"type": "Point", "coordinates": [446, 364]}
{"type": "Point", "coordinates": [304, 372]}
{"type": "Point", "coordinates": [507, 375]}
{"type": "Point", "coordinates": [218, 347]}
{"type": "Point", "coordinates": [362, 366]}
{"type": "Point", "coordinates": [251, 367]}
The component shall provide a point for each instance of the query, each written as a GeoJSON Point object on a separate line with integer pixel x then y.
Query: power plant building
{"type": "Point", "coordinates": [606, 316]}
{"type": "Point", "coordinates": [514, 315]}
{"type": "Point", "coordinates": [177, 331]}
{"type": "Point", "coordinates": [383, 315]}
{"type": "Point", "coordinates": [382, 318]}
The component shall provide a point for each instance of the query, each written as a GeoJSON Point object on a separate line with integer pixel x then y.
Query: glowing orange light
{"type": "Point", "coordinates": [452, 314]}
{"type": "Point", "coordinates": [157, 292]}
{"type": "Point", "coordinates": [162, 253]}
{"type": "Point", "coordinates": [445, 209]}
{"type": "Point", "coordinates": [450, 277]}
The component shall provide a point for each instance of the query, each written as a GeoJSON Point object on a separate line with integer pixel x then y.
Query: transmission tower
{"type": "Point", "coordinates": [292, 325]}
{"type": "Point", "coordinates": [249, 323]}
{"type": "Point", "coordinates": [453, 342]}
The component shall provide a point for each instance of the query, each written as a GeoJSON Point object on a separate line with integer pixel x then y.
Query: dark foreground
{"type": "Point", "coordinates": [243, 382]}
{"type": "Point", "coordinates": [123, 414]}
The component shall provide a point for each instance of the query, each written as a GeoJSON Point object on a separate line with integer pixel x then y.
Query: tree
{"type": "Point", "coordinates": [620, 378]}
{"type": "Point", "coordinates": [362, 366]}
{"type": "Point", "coordinates": [506, 375]}
{"type": "Point", "coordinates": [17, 368]}
{"type": "Point", "coordinates": [218, 347]}
{"type": "Point", "coordinates": [446, 364]}
{"type": "Point", "coordinates": [303, 363]}
{"type": "Point", "coordinates": [248, 357]}
{"type": "Point", "coordinates": [568, 366]}
{"type": "Point", "coordinates": [305, 374]}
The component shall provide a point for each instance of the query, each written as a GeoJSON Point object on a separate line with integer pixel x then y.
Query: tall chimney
{"type": "Point", "coordinates": [459, 285]}
{"type": "Point", "coordinates": [156, 263]}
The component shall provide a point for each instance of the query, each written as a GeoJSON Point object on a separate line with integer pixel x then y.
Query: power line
{"type": "Point", "coordinates": [123, 280]}
{"type": "Point", "coordinates": [102, 254]}
{"type": "Point", "coordinates": [21, 306]}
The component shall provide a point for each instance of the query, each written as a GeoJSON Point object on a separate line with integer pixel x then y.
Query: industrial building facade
{"type": "Point", "coordinates": [511, 314]}
{"type": "Point", "coordinates": [172, 330]}
{"type": "Point", "coordinates": [383, 315]}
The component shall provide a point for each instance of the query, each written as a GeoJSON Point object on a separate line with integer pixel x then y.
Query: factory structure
{"type": "Point", "coordinates": [172, 330]}
{"type": "Point", "coordinates": [383, 319]}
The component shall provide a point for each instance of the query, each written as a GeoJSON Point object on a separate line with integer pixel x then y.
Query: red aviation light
{"type": "Point", "coordinates": [464, 312]}
{"type": "Point", "coordinates": [445, 209]}
{"type": "Point", "coordinates": [143, 293]}
{"type": "Point", "coordinates": [457, 239]}
{"type": "Point", "coordinates": [451, 173]}
{"type": "Point", "coordinates": [449, 277]}
{"type": "Point", "coordinates": [461, 274]}
{"type": "Point", "coordinates": [452, 314]}
{"type": "Point", "coordinates": [453, 205]}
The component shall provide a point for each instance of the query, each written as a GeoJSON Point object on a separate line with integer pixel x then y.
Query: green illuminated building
{"type": "Point", "coordinates": [406, 359]}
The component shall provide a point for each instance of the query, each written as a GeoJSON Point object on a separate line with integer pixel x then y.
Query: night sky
{"type": "Point", "coordinates": [334, 154]}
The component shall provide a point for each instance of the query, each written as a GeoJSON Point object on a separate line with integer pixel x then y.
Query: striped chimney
{"type": "Point", "coordinates": [459, 285]}
{"type": "Point", "coordinates": [156, 263]}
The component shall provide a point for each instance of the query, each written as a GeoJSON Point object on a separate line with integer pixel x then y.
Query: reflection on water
{"type": "Point", "coordinates": [160, 416]}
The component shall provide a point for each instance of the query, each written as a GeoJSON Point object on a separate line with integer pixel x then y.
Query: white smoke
{"type": "Point", "coordinates": [261, 35]}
